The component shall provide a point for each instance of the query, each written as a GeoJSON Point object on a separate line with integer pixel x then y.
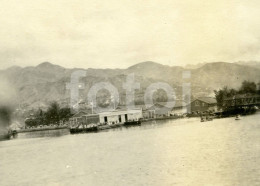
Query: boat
{"type": "Point", "coordinates": [209, 118]}
{"type": "Point", "coordinates": [206, 118]}
{"type": "Point", "coordinates": [237, 117]}
{"type": "Point", "coordinates": [76, 130]}
{"type": "Point", "coordinates": [83, 130]}
{"type": "Point", "coordinates": [130, 123]}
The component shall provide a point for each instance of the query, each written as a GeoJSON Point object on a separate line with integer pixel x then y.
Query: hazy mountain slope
{"type": "Point", "coordinates": [36, 86]}
{"type": "Point", "coordinates": [195, 66]}
{"type": "Point", "coordinates": [221, 74]}
{"type": "Point", "coordinates": [45, 72]}
{"type": "Point", "coordinates": [157, 71]}
{"type": "Point", "coordinates": [36, 95]}
{"type": "Point", "coordinates": [254, 64]}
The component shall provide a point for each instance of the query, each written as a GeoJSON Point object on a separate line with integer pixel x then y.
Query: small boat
{"type": "Point", "coordinates": [83, 130]}
{"type": "Point", "coordinates": [76, 130]}
{"type": "Point", "coordinates": [129, 123]}
{"type": "Point", "coordinates": [209, 118]}
{"type": "Point", "coordinates": [237, 117]}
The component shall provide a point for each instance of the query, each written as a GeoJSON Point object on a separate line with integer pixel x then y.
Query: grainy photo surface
{"type": "Point", "coordinates": [129, 92]}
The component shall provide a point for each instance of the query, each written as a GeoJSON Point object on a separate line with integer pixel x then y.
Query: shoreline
{"type": "Point", "coordinates": [41, 129]}
{"type": "Point", "coordinates": [118, 125]}
{"type": "Point", "coordinates": [102, 127]}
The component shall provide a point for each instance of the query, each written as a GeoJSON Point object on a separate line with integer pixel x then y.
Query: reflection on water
{"type": "Point", "coordinates": [172, 152]}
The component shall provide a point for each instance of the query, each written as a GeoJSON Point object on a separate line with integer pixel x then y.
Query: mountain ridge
{"type": "Point", "coordinates": [45, 82]}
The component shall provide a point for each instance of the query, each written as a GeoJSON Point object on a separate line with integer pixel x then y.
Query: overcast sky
{"type": "Point", "coordinates": [120, 33]}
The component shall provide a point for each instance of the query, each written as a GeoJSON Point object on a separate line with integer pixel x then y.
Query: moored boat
{"type": "Point", "coordinates": [237, 117]}
{"type": "Point", "coordinates": [128, 123]}
{"type": "Point", "coordinates": [209, 118]}
{"type": "Point", "coordinates": [81, 129]}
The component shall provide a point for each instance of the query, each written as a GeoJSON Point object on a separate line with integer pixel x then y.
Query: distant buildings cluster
{"type": "Point", "coordinates": [155, 111]}
{"type": "Point", "coordinates": [159, 110]}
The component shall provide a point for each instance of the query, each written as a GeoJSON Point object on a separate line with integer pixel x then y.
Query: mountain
{"type": "Point", "coordinates": [37, 86]}
{"type": "Point", "coordinates": [195, 66]}
{"type": "Point", "coordinates": [219, 74]}
{"type": "Point", "coordinates": [157, 71]}
{"type": "Point", "coordinates": [254, 64]}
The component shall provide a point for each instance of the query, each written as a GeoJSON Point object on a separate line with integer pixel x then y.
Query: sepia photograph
{"type": "Point", "coordinates": [129, 92]}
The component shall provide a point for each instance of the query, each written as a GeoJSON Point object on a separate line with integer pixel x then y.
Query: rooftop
{"type": "Point", "coordinates": [209, 100]}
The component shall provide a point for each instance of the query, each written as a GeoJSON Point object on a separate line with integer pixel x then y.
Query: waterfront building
{"type": "Point", "coordinates": [160, 109]}
{"type": "Point", "coordinates": [77, 119]}
{"type": "Point", "coordinates": [120, 116]}
{"type": "Point", "coordinates": [203, 104]}
{"type": "Point", "coordinates": [147, 111]}
{"type": "Point", "coordinates": [109, 117]}
{"type": "Point", "coordinates": [179, 108]}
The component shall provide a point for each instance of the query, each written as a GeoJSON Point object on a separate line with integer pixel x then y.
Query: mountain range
{"type": "Point", "coordinates": [36, 86]}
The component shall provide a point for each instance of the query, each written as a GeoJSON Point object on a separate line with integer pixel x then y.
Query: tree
{"type": "Point", "coordinates": [52, 114]}
{"type": "Point", "coordinates": [222, 94]}
{"type": "Point", "coordinates": [258, 87]}
{"type": "Point", "coordinates": [31, 122]}
{"type": "Point", "coordinates": [40, 118]}
{"type": "Point", "coordinates": [248, 87]}
{"type": "Point", "coordinates": [65, 114]}
{"type": "Point", "coordinates": [231, 92]}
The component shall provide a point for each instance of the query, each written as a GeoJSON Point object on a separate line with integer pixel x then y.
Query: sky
{"type": "Point", "coordinates": [121, 33]}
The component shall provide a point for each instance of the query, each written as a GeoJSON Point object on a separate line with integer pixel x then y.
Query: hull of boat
{"type": "Point", "coordinates": [83, 130]}
{"type": "Point", "coordinates": [129, 123]}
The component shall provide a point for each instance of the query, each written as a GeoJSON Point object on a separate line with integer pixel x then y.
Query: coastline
{"type": "Point", "coordinates": [41, 129]}
{"type": "Point", "coordinates": [118, 125]}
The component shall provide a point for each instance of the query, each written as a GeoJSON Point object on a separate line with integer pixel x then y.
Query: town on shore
{"type": "Point", "coordinates": [227, 102]}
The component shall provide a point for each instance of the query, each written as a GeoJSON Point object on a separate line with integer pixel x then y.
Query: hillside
{"type": "Point", "coordinates": [254, 64]}
{"type": "Point", "coordinates": [219, 74]}
{"type": "Point", "coordinates": [37, 86]}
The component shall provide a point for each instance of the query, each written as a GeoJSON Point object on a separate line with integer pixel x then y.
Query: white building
{"type": "Point", "coordinates": [120, 116]}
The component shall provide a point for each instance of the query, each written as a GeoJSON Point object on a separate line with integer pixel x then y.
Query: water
{"type": "Point", "coordinates": [173, 152]}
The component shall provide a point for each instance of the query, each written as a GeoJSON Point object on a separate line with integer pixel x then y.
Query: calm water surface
{"type": "Point", "coordinates": [173, 152]}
